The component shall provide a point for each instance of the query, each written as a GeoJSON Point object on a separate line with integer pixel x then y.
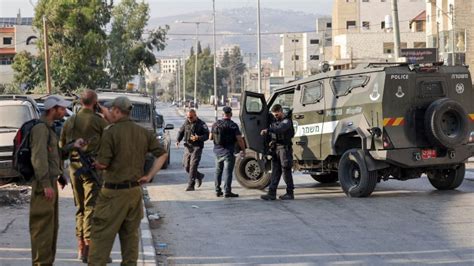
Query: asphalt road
{"type": "Point", "coordinates": [402, 223]}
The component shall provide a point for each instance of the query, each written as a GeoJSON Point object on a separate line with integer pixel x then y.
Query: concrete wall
{"type": "Point", "coordinates": [22, 34]}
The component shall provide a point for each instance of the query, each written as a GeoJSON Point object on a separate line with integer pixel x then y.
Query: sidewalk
{"type": "Point", "coordinates": [15, 238]}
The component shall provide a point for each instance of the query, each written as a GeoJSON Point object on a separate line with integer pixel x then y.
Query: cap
{"type": "Point", "coordinates": [227, 109]}
{"type": "Point", "coordinates": [55, 100]}
{"type": "Point", "coordinates": [122, 103]}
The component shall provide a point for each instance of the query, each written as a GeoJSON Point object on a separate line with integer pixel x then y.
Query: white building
{"type": "Point", "coordinates": [363, 30]}
{"type": "Point", "coordinates": [169, 65]}
{"type": "Point", "coordinates": [16, 35]}
{"type": "Point", "coordinates": [229, 48]}
{"type": "Point", "coordinates": [302, 53]}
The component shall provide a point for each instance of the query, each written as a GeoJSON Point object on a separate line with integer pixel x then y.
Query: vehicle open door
{"type": "Point", "coordinates": [254, 118]}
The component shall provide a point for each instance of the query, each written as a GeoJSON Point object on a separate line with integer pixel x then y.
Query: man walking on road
{"type": "Point", "coordinates": [281, 131]}
{"type": "Point", "coordinates": [119, 207]}
{"type": "Point", "coordinates": [225, 134]}
{"type": "Point", "coordinates": [194, 132]}
{"type": "Point", "coordinates": [46, 162]}
{"type": "Point", "coordinates": [87, 125]}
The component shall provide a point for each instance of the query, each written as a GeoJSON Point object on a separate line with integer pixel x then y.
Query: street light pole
{"type": "Point", "coordinates": [196, 64]}
{"type": "Point", "coordinates": [259, 59]}
{"type": "Point", "coordinates": [215, 52]}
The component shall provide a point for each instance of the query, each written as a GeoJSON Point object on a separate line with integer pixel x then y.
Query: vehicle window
{"type": "Point", "coordinates": [343, 85]}
{"type": "Point", "coordinates": [159, 121]}
{"type": "Point", "coordinates": [285, 99]}
{"type": "Point", "coordinates": [140, 112]}
{"type": "Point", "coordinates": [14, 115]}
{"type": "Point", "coordinates": [253, 104]}
{"type": "Point", "coordinates": [312, 92]}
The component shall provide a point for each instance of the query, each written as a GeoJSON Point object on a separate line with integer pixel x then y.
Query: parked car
{"type": "Point", "coordinates": [14, 111]}
{"type": "Point", "coordinates": [144, 114]}
{"type": "Point", "coordinates": [367, 125]}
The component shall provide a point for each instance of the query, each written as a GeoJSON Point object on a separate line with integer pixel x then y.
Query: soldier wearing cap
{"type": "Point", "coordinates": [119, 207]}
{"type": "Point", "coordinates": [194, 132]}
{"type": "Point", "coordinates": [225, 133]}
{"type": "Point", "coordinates": [46, 162]}
{"type": "Point", "coordinates": [86, 125]}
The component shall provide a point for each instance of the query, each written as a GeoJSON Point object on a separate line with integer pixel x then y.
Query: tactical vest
{"type": "Point", "coordinates": [286, 137]}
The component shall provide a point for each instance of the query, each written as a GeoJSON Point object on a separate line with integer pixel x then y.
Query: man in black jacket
{"type": "Point", "coordinates": [194, 132]}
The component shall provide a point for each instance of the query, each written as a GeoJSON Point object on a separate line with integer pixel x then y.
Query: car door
{"type": "Point", "coordinates": [254, 118]}
{"type": "Point", "coordinates": [308, 119]}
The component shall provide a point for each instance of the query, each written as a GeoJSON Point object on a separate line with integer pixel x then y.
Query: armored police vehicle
{"type": "Point", "coordinates": [373, 123]}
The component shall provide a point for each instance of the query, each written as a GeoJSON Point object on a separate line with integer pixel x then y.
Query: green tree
{"type": "Point", "coordinates": [130, 54]}
{"type": "Point", "coordinates": [28, 70]}
{"type": "Point", "coordinates": [199, 48]}
{"type": "Point", "coordinates": [77, 40]}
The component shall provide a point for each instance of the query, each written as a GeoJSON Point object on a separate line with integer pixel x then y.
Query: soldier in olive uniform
{"type": "Point", "coordinates": [281, 131]}
{"type": "Point", "coordinates": [119, 207]}
{"type": "Point", "coordinates": [46, 162]}
{"type": "Point", "coordinates": [88, 126]}
{"type": "Point", "coordinates": [194, 131]}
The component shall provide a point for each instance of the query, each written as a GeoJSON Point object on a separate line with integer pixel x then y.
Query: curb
{"type": "Point", "coordinates": [146, 239]}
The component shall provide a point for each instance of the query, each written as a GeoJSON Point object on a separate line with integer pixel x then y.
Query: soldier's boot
{"type": "Point", "coordinates": [199, 179]}
{"type": "Point", "coordinates": [287, 196]}
{"type": "Point", "coordinates": [270, 196]}
{"type": "Point", "coordinates": [85, 253]}
{"type": "Point", "coordinates": [80, 248]}
{"type": "Point", "coordinates": [190, 186]}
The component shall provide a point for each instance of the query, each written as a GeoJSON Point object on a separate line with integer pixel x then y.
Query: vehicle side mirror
{"type": "Point", "coordinates": [169, 126]}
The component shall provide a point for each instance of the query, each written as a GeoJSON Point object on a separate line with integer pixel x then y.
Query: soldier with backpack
{"type": "Point", "coordinates": [225, 133]}
{"type": "Point", "coordinates": [281, 132]}
{"type": "Point", "coordinates": [46, 163]}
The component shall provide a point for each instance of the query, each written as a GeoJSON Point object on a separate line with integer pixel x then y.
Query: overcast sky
{"type": "Point", "coordinates": [163, 8]}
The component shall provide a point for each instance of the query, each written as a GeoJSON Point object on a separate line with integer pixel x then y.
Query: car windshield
{"type": "Point", "coordinates": [141, 112]}
{"type": "Point", "coordinates": [14, 115]}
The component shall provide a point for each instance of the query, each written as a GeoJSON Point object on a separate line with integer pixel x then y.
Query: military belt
{"type": "Point", "coordinates": [121, 185]}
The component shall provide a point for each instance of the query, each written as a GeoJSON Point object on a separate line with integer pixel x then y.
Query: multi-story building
{"type": "Point", "coordinates": [363, 30]}
{"type": "Point", "coordinates": [16, 35]}
{"type": "Point", "coordinates": [229, 48]}
{"type": "Point", "coordinates": [169, 65]}
{"type": "Point", "coordinates": [450, 23]}
{"type": "Point", "coordinates": [302, 53]}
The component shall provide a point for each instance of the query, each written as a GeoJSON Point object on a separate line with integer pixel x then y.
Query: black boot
{"type": "Point", "coordinates": [231, 195]}
{"type": "Point", "coordinates": [199, 179]}
{"type": "Point", "coordinates": [190, 186]}
{"type": "Point", "coordinates": [287, 196]}
{"type": "Point", "coordinates": [270, 196]}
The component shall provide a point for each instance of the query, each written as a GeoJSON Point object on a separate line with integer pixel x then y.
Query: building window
{"type": "Point", "coordinates": [366, 25]}
{"type": "Point", "coordinates": [428, 18]}
{"type": "Point", "coordinates": [419, 26]}
{"type": "Point", "coordinates": [388, 47]}
{"type": "Point", "coordinates": [314, 57]}
{"type": "Point", "coordinates": [6, 60]}
{"type": "Point", "coordinates": [419, 45]}
{"type": "Point", "coordinates": [295, 40]}
{"type": "Point", "coordinates": [351, 24]}
{"type": "Point", "coordinates": [329, 25]}
{"type": "Point", "coordinates": [382, 25]}
{"type": "Point", "coordinates": [7, 40]}
{"type": "Point", "coordinates": [383, 1]}
{"type": "Point", "coordinates": [314, 41]}
{"type": "Point", "coordinates": [365, 0]}
{"type": "Point", "coordinates": [295, 57]}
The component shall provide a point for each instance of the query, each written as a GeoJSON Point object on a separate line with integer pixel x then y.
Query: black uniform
{"type": "Point", "coordinates": [193, 149]}
{"type": "Point", "coordinates": [281, 133]}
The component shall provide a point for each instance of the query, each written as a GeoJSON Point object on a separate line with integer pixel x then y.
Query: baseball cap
{"type": "Point", "coordinates": [227, 109]}
{"type": "Point", "coordinates": [55, 100]}
{"type": "Point", "coordinates": [122, 103]}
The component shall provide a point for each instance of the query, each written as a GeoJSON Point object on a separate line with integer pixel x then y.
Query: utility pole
{"type": "Point", "coordinates": [46, 55]}
{"type": "Point", "coordinates": [259, 48]}
{"type": "Point", "coordinates": [396, 29]}
{"type": "Point", "coordinates": [196, 65]}
{"type": "Point", "coordinates": [215, 52]}
{"type": "Point", "coordinates": [178, 79]}
{"type": "Point", "coordinates": [451, 6]}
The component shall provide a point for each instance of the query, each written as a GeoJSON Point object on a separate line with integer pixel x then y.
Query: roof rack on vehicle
{"type": "Point", "coordinates": [387, 64]}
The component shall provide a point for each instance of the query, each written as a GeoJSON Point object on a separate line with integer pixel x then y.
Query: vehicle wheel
{"type": "Point", "coordinates": [446, 123]}
{"type": "Point", "coordinates": [355, 179]}
{"type": "Point", "coordinates": [447, 179]}
{"type": "Point", "coordinates": [326, 178]}
{"type": "Point", "coordinates": [250, 174]}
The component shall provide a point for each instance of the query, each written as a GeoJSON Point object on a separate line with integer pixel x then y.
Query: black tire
{"type": "Point", "coordinates": [447, 179]}
{"type": "Point", "coordinates": [446, 123]}
{"type": "Point", "coordinates": [326, 178]}
{"type": "Point", "coordinates": [249, 173]}
{"type": "Point", "coordinates": [355, 179]}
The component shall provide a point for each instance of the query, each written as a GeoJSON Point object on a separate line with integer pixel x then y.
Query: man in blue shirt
{"type": "Point", "coordinates": [225, 133]}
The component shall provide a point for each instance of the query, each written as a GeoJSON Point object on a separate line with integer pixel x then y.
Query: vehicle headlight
{"type": "Point", "coordinates": [160, 137]}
